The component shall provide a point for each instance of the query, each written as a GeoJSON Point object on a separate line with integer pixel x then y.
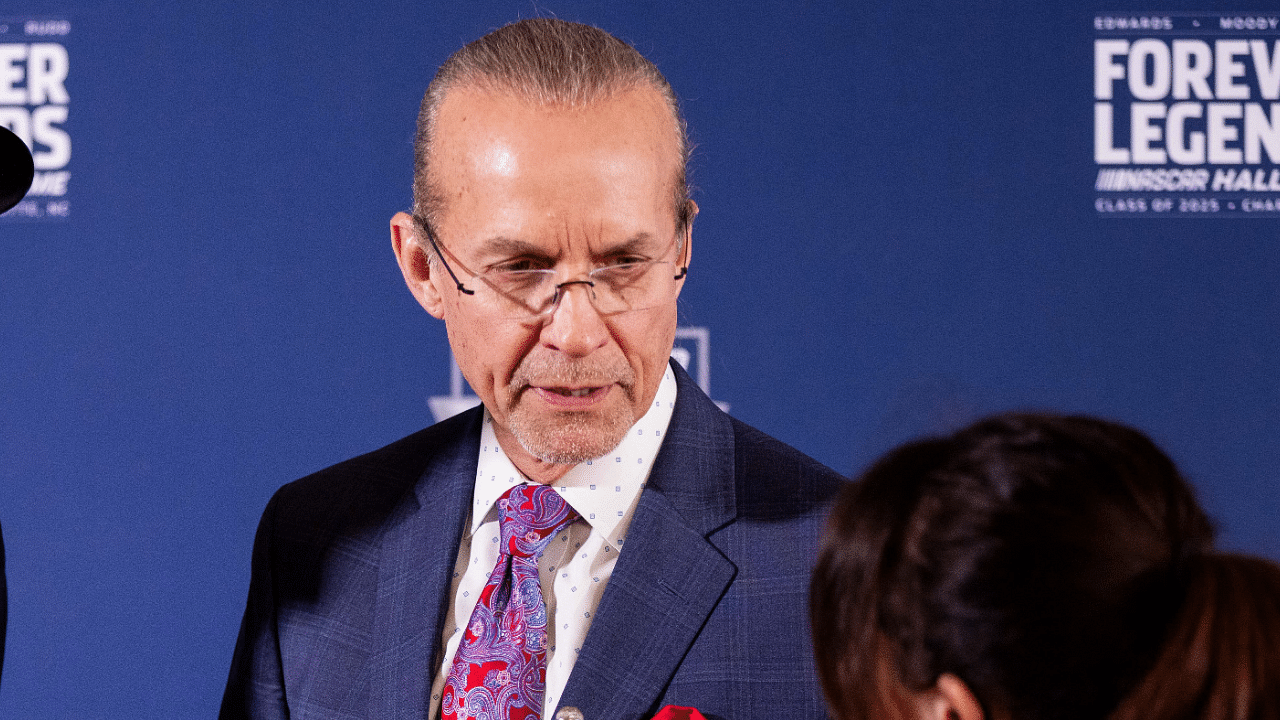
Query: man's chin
{"type": "Point", "coordinates": [571, 438]}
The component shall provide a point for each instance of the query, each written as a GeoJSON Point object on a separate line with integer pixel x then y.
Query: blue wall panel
{"type": "Point", "coordinates": [898, 233]}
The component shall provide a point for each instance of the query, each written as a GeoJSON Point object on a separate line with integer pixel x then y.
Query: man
{"type": "Point", "coordinates": [552, 233]}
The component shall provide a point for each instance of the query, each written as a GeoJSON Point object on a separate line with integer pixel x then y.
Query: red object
{"type": "Point", "coordinates": [675, 712]}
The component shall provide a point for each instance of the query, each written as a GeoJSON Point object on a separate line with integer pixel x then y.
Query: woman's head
{"type": "Point", "coordinates": [1038, 559]}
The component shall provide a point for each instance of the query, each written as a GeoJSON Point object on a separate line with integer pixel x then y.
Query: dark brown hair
{"type": "Point", "coordinates": [1054, 564]}
{"type": "Point", "coordinates": [1221, 660]}
{"type": "Point", "coordinates": [545, 61]}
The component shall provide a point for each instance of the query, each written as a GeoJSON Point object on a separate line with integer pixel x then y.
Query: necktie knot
{"type": "Point", "coordinates": [529, 516]}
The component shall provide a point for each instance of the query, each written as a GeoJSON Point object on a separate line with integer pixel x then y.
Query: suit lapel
{"type": "Point", "coordinates": [417, 556]}
{"type": "Point", "coordinates": [669, 576]}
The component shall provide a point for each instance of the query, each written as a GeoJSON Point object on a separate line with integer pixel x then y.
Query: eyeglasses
{"type": "Point", "coordinates": [530, 294]}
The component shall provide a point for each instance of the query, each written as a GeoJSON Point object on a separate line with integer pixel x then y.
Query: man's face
{"type": "Point", "coordinates": [570, 189]}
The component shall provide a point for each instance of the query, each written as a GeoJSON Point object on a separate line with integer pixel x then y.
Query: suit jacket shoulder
{"type": "Point", "coordinates": [356, 496]}
{"type": "Point", "coordinates": [774, 480]}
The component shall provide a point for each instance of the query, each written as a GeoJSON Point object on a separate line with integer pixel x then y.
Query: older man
{"type": "Point", "coordinates": [598, 534]}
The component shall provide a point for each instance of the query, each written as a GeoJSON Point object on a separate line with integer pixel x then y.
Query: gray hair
{"type": "Point", "coordinates": [548, 62]}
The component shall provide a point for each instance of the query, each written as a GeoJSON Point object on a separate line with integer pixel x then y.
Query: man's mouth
{"type": "Point", "coordinates": [567, 397]}
{"type": "Point", "coordinates": [570, 385]}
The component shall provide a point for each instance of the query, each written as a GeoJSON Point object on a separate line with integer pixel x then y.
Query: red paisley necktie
{"type": "Point", "coordinates": [500, 669]}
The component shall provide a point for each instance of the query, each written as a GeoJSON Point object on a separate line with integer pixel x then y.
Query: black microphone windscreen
{"type": "Point", "coordinates": [17, 169]}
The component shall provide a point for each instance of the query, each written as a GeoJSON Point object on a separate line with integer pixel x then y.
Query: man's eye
{"type": "Point", "coordinates": [519, 281]}
{"type": "Point", "coordinates": [624, 273]}
{"type": "Point", "coordinates": [627, 261]}
{"type": "Point", "coordinates": [518, 265]}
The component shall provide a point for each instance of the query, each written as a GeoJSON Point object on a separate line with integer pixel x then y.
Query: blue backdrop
{"type": "Point", "coordinates": [899, 231]}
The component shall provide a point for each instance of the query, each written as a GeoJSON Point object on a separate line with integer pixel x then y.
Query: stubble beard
{"type": "Point", "coordinates": [569, 437]}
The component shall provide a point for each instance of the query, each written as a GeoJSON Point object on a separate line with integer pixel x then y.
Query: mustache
{"type": "Point", "coordinates": [560, 371]}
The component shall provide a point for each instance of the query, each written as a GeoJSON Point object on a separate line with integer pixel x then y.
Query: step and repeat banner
{"type": "Point", "coordinates": [912, 214]}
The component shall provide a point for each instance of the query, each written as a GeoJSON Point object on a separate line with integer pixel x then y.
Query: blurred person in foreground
{"type": "Point", "coordinates": [598, 534]}
{"type": "Point", "coordinates": [1038, 567]}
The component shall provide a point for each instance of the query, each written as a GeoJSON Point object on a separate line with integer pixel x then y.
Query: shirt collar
{"type": "Point", "coordinates": [603, 491]}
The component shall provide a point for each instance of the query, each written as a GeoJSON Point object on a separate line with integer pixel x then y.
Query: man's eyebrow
{"type": "Point", "coordinates": [502, 246]}
{"type": "Point", "coordinates": [639, 243]}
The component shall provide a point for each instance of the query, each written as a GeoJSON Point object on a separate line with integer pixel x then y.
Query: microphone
{"type": "Point", "coordinates": [17, 169]}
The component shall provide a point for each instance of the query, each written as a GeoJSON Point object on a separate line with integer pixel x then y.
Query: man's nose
{"type": "Point", "coordinates": [575, 327]}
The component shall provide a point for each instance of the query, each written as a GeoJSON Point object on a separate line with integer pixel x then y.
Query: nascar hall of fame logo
{"type": "Point", "coordinates": [692, 350]}
{"type": "Point", "coordinates": [1186, 114]}
{"type": "Point", "coordinates": [34, 105]}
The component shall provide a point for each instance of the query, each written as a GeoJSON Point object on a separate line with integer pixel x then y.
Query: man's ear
{"type": "Point", "coordinates": [412, 255]}
{"type": "Point", "coordinates": [949, 699]}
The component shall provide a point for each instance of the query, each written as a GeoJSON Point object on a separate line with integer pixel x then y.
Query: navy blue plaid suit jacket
{"type": "Point", "coordinates": [706, 607]}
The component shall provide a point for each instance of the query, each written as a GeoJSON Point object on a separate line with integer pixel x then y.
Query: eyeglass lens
{"type": "Point", "coordinates": [612, 289]}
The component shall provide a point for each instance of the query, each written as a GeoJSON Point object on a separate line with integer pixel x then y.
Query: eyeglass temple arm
{"type": "Point", "coordinates": [432, 239]}
{"type": "Point", "coordinates": [684, 269]}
